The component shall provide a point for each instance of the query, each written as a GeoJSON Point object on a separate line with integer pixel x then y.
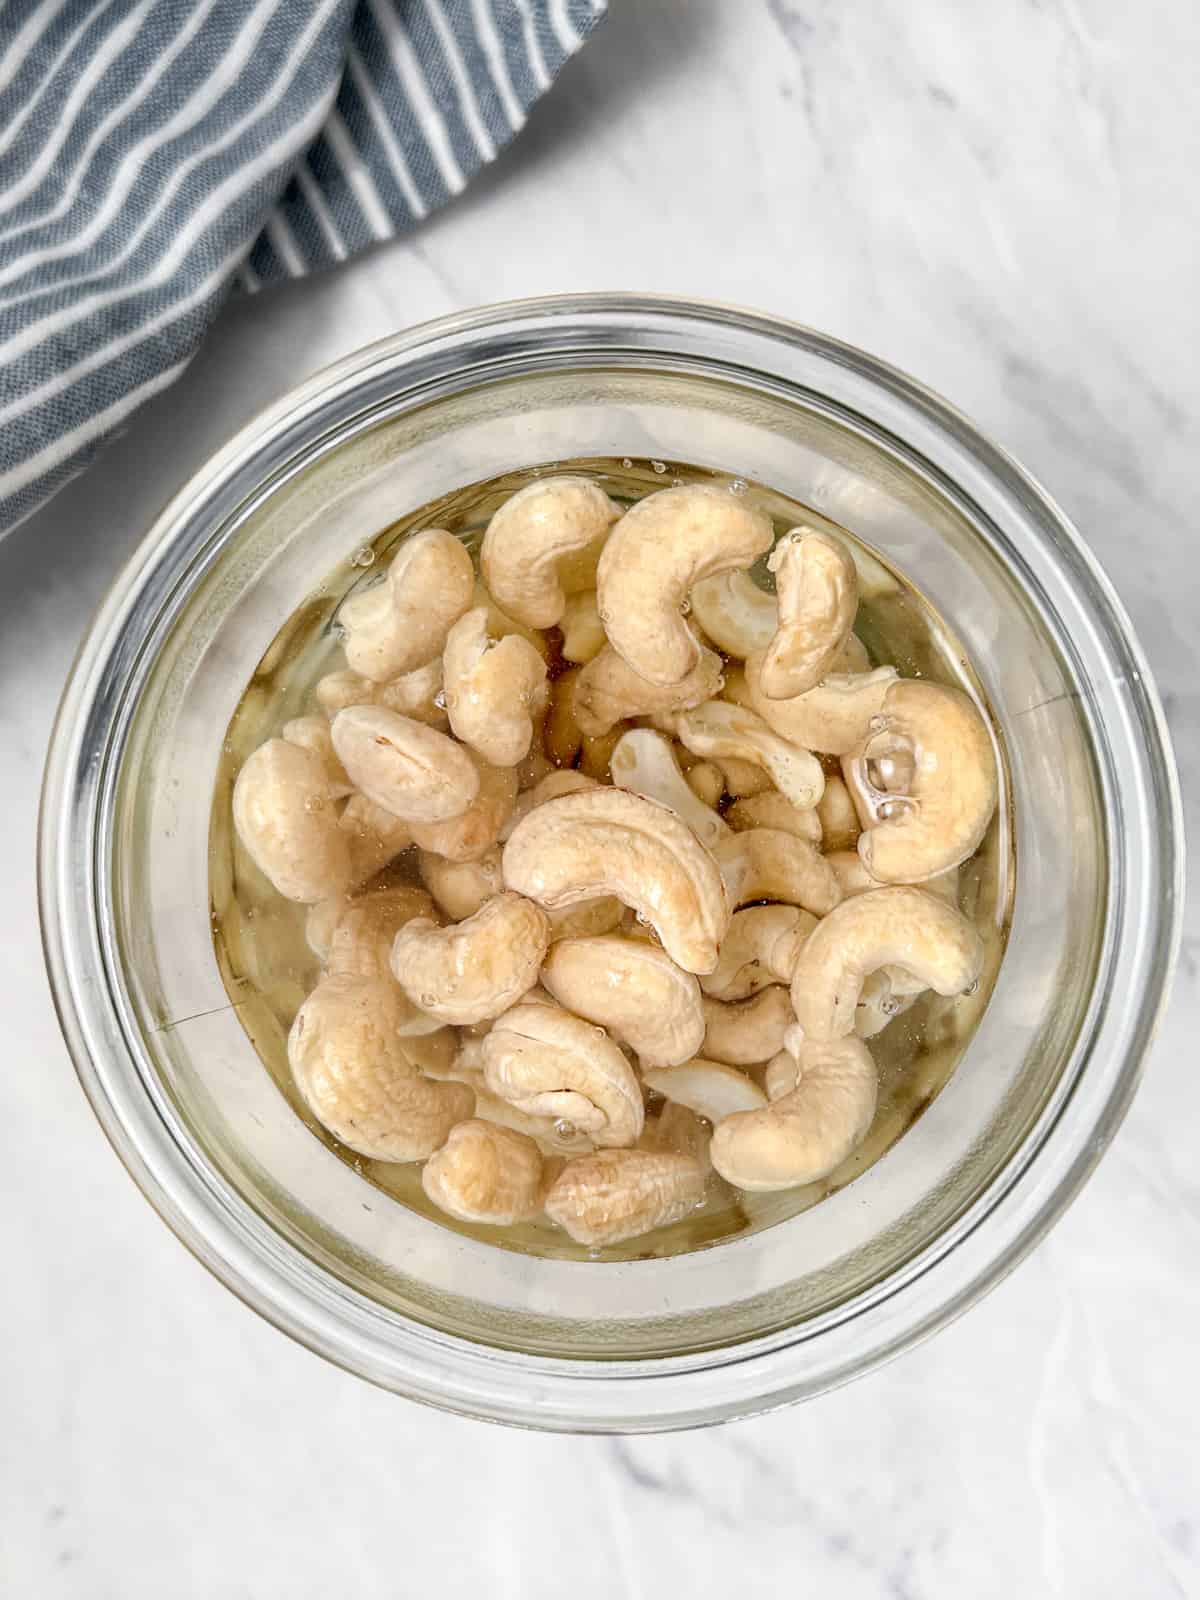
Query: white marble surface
{"type": "Point", "coordinates": [1002, 200]}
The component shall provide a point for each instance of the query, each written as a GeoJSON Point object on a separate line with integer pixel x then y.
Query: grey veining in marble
{"type": "Point", "coordinates": [1000, 199]}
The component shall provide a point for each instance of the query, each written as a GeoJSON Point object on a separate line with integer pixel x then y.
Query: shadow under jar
{"type": "Point", "coordinates": [776, 1311]}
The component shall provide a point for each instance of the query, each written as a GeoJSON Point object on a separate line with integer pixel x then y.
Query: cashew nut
{"type": "Point", "coordinates": [361, 943]}
{"type": "Point", "coordinates": [660, 548]}
{"type": "Point", "coordinates": [413, 771]}
{"type": "Point", "coordinates": [768, 864]}
{"type": "Point", "coordinates": [582, 631]}
{"type": "Point", "coordinates": [587, 920]}
{"type": "Point", "coordinates": [677, 1130]}
{"type": "Point", "coordinates": [561, 733]}
{"type": "Point", "coordinates": [854, 877]}
{"type": "Point", "coordinates": [609, 690]}
{"type": "Point", "coordinates": [553, 1136]}
{"type": "Point", "coordinates": [644, 763]}
{"type": "Point", "coordinates": [833, 718]}
{"type": "Point", "coordinates": [632, 989]}
{"type": "Point", "coordinates": [810, 1130]}
{"type": "Point", "coordinates": [543, 543]}
{"type": "Point", "coordinates": [897, 926]}
{"type": "Point", "coordinates": [375, 837]}
{"type": "Point", "coordinates": [759, 949]}
{"type": "Point", "coordinates": [839, 819]}
{"type": "Point", "coordinates": [402, 622]}
{"type": "Point", "coordinates": [418, 694]}
{"type": "Point", "coordinates": [485, 1173]}
{"type": "Point", "coordinates": [312, 733]}
{"type": "Point", "coordinates": [473, 969]}
{"type": "Point", "coordinates": [735, 613]}
{"type": "Point", "coordinates": [473, 833]}
{"type": "Point", "coordinates": [743, 780]}
{"type": "Point", "coordinates": [718, 729]}
{"type": "Point", "coordinates": [284, 813]}
{"type": "Point", "coordinates": [549, 1063]}
{"type": "Point", "coordinates": [461, 887]}
{"type": "Point", "coordinates": [744, 1032]}
{"type": "Point", "coordinates": [357, 1078]}
{"type": "Point", "coordinates": [413, 694]}
{"type": "Point", "coordinates": [490, 687]}
{"type": "Point", "coordinates": [706, 781]}
{"type": "Point", "coordinates": [774, 810]}
{"type": "Point", "coordinates": [817, 586]}
{"type": "Point", "coordinates": [554, 784]}
{"type": "Point", "coordinates": [709, 1088]}
{"type": "Point", "coordinates": [618, 1194]}
{"type": "Point", "coordinates": [605, 841]}
{"type": "Point", "coordinates": [924, 781]}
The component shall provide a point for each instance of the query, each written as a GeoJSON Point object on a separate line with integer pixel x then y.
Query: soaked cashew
{"type": "Point", "coordinates": [632, 989]}
{"type": "Point", "coordinates": [660, 548]}
{"type": "Point", "coordinates": [644, 763]}
{"type": "Point", "coordinates": [677, 1130]}
{"type": "Point", "coordinates": [589, 919]}
{"type": "Point", "coordinates": [742, 1033]}
{"type": "Point", "coordinates": [892, 927]}
{"type": "Point", "coordinates": [817, 587]}
{"type": "Point", "coordinates": [582, 631]}
{"type": "Point", "coordinates": [413, 694]}
{"type": "Point", "coordinates": [924, 781]}
{"type": "Point", "coordinates": [500, 624]}
{"type": "Point", "coordinates": [402, 623]}
{"type": "Point", "coordinates": [542, 544]}
{"type": "Point", "coordinates": [609, 690]}
{"type": "Point", "coordinates": [284, 813]}
{"type": "Point", "coordinates": [490, 688]}
{"type": "Point", "coordinates": [547, 1062]}
{"type": "Point", "coordinates": [472, 834]}
{"type": "Point", "coordinates": [484, 1173]}
{"type": "Point", "coordinates": [760, 949]}
{"type": "Point", "coordinates": [709, 1088]}
{"type": "Point", "coordinates": [775, 810]}
{"type": "Point", "coordinates": [357, 1078]}
{"type": "Point", "coordinates": [461, 887]}
{"type": "Point", "coordinates": [706, 781]}
{"type": "Point", "coordinates": [768, 864]}
{"type": "Point", "coordinates": [604, 841]}
{"type": "Point", "coordinates": [839, 819]}
{"type": "Point", "coordinates": [561, 733]}
{"type": "Point", "coordinates": [473, 969]}
{"type": "Point", "coordinates": [721, 730]}
{"type": "Point", "coordinates": [807, 1132]}
{"type": "Point", "coordinates": [735, 613]}
{"type": "Point", "coordinates": [833, 718]}
{"type": "Point", "coordinates": [312, 733]}
{"type": "Point", "coordinates": [854, 877]}
{"type": "Point", "coordinates": [552, 1136]}
{"type": "Point", "coordinates": [620, 1194]}
{"type": "Point", "coordinates": [413, 771]}
{"type": "Point", "coordinates": [375, 837]}
{"type": "Point", "coordinates": [743, 780]}
{"type": "Point", "coordinates": [554, 784]}
{"type": "Point", "coordinates": [361, 943]}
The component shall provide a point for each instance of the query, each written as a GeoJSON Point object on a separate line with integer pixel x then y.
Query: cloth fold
{"type": "Point", "coordinates": [152, 151]}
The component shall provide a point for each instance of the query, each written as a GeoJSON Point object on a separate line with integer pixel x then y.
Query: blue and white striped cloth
{"type": "Point", "coordinates": [152, 151]}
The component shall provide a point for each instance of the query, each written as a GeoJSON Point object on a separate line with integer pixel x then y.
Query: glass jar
{"type": "Point", "coordinates": [777, 1315]}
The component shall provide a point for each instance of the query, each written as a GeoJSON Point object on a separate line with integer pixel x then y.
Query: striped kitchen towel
{"type": "Point", "coordinates": [153, 151]}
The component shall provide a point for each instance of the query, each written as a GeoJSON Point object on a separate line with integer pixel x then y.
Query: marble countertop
{"type": "Point", "coordinates": [1001, 200]}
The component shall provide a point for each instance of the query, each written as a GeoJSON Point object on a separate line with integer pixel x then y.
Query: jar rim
{"type": "Point", "coordinates": [671, 1391]}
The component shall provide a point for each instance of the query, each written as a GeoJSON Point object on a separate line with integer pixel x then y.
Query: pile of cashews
{"type": "Point", "coordinates": [644, 881]}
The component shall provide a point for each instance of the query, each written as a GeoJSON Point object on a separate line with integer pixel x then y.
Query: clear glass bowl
{"type": "Point", "coordinates": [794, 1308]}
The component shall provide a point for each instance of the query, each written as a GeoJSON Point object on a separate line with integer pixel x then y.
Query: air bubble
{"type": "Point", "coordinates": [565, 1129]}
{"type": "Point", "coordinates": [228, 747]}
{"type": "Point", "coordinates": [889, 1007]}
{"type": "Point", "coordinates": [428, 1000]}
{"type": "Point", "coordinates": [339, 631]}
{"type": "Point", "coordinates": [314, 802]}
{"type": "Point", "coordinates": [685, 606]}
{"type": "Point", "coordinates": [626, 462]}
{"type": "Point", "coordinates": [439, 699]}
{"type": "Point", "coordinates": [738, 486]}
{"type": "Point", "coordinates": [972, 988]}
{"type": "Point", "coordinates": [364, 556]}
{"type": "Point", "coordinates": [877, 724]}
{"type": "Point", "coordinates": [658, 466]}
